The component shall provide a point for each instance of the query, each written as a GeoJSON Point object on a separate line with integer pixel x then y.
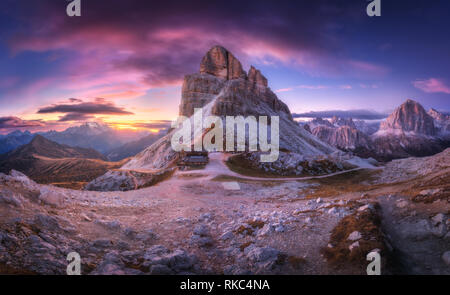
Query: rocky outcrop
{"type": "Point", "coordinates": [221, 73]}
{"type": "Point", "coordinates": [409, 117]}
{"type": "Point", "coordinates": [222, 89]}
{"type": "Point", "coordinates": [125, 180]}
{"type": "Point", "coordinates": [221, 63]}
{"type": "Point", "coordinates": [343, 122]}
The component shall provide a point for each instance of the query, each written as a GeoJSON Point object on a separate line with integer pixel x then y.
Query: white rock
{"type": "Point", "coordinates": [332, 211]}
{"type": "Point", "coordinates": [402, 204]}
{"type": "Point", "coordinates": [438, 219]}
{"type": "Point", "coordinates": [356, 235]}
{"type": "Point", "coordinates": [227, 235]}
{"type": "Point", "coordinates": [280, 228]}
{"type": "Point", "coordinates": [319, 200]}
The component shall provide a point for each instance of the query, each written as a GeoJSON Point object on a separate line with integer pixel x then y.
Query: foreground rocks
{"type": "Point", "coordinates": [125, 180]}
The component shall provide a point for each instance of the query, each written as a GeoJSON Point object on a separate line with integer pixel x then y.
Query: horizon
{"type": "Point", "coordinates": [110, 67]}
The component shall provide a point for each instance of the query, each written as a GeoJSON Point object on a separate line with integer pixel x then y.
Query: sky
{"type": "Point", "coordinates": [123, 62]}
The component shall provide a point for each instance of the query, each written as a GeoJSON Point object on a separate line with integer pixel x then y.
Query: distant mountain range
{"type": "Point", "coordinates": [46, 161]}
{"type": "Point", "coordinates": [116, 144]}
{"type": "Point", "coordinates": [94, 135]}
{"type": "Point", "coordinates": [408, 131]}
{"type": "Point", "coordinates": [132, 148]}
{"type": "Point", "coordinates": [13, 140]}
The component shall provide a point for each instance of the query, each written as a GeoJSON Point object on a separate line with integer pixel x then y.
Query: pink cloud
{"type": "Point", "coordinates": [432, 85]}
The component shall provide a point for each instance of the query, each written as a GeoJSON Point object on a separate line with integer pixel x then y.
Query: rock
{"type": "Point", "coordinates": [256, 77]}
{"type": "Point", "coordinates": [446, 257]}
{"type": "Point", "coordinates": [205, 217]}
{"type": "Point", "coordinates": [265, 230]}
{"type": "Point", "coordinates": [201, 230]}
{"type": "Point", "coordinates": [19, 176]}
{"type": "Point", "coordinates": [46, 222]}
{"type": "Point", "coordinates": [221, 63]}
{"type": "Point", "coordinates": [356, 235]}
{"type": "Point", "coordinates": [332, 210]}
{"type": "Point", "coordinates": [10, 198]}
{"type": "Point", "coordinates": [354, 246]}
{"type": "Point", "coordinates": [51, 197]}
{"type": "Point", "coordinates": [111, 225]}
{"type": "Point", "coordinates": [257, 254]}
{"type": "Point", "coordinates": [85, 217]}
{"type": "Point", "coordinates": [126, 180]}
{"type": "Point", "coordinates": [227, 236]}
{"type": "Point", "coordinates": [180, 260]}
{"type": "Point", "coordinates": [438, 219]}
{"type": "Point", "coordinates": [102, 244]}
{"type": "Point", "coordinates": [439, 230]}
{"type": "Point", "coordinates": [319, 200]}
{"type": "Point", "coordinates": [146, 236]}
{"type": "Point", "coordinates": [202, 241]}
{"type": "Point", "coordinates": [154, 252]}
{"type": "Point", "coordinates": [366, 207]}
{"type": "Point", "coordinates": [279, 228]}
{"type": "Point", "coordinates": [160, 269]}
{"type": "Point", "coordinates": [429, 192]}
{"type": "Point", "coordinates": [402, 204]}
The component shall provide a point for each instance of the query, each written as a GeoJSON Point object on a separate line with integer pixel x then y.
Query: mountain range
{"type": "Point", "coordinates": [114, 144]}
{"type": "Point", "coordinates": [408, 131]}
{"type": "Point", "coordinates": [46, 161]}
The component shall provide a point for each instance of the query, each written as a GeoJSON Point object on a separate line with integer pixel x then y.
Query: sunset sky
{"type": "Point", "coordinates": [123, 62]}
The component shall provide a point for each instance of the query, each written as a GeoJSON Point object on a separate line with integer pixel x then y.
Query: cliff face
{"type": "Point", "coordinates": [241, 93]}
{"type": "Point", "coordinates": [344, 137]}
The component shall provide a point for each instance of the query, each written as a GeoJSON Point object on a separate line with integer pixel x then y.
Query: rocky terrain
{"type": "Point", "coordinates": [215, 221]}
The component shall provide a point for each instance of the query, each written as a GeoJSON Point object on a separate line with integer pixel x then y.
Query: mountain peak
{"type": "Point", "coordinates": [221, 63]}
{"type": "Point", "coordinates": [409, 117]}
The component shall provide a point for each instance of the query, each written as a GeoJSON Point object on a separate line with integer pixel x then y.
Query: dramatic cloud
{"type": "Point", "coordinates": [15, 122]}
{"type": "Point", "coordinates": [354, 114]}
{"type": "Point", "coordinates": [74, 117]}
{"type": "Point", "coordinates": [432, 85]}
{"type": "Point", "coordinates": [80, 110]}
{"type": "Point", "coordinates": [155, 45]}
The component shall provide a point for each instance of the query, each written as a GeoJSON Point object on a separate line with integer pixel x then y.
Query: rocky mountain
{"type": "Point", "coordinates": [409, 118]}
{"type": "Point", "coordinates": [13, 140]}
{"type": "Point", "coordinates": [223, 88]}
{"type": "Point", "coordinates": [344, 137]}
{"type": "Point", "coordinates": [341, 133]}
{"type": "Point", "coordinates": [367, 128]}
{"type": "Point", "coordinates": [93, 135]}
{"type": "Point", "coordinates": [49, 162]}
{"type": "Point", "coordinates": [441, 122]}
{"type": "Point", "coordinates": [132, 148]}
{"type": "Point", "coordinates": [408, 131]}
{"type": "Point", "coordinates": [336, 121]}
